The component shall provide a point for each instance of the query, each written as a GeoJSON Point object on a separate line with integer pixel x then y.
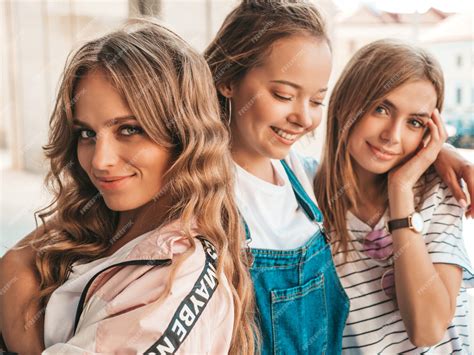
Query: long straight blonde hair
{"type": "Point", "coordinates": [373, 72]}
{"type": "Point", "coordinates": [169, 89]}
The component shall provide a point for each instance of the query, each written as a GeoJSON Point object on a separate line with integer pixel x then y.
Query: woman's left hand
{"type": "Point", "coordinates": [452, 167]}
{"type": "Point", "coordinates": [404, 177]}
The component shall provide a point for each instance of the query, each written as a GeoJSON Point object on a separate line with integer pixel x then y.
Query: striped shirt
{"type": "Point", "coordinates": [374, 325]}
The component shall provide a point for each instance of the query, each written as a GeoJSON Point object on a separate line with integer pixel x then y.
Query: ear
{"type": "Point", "coordinates": [226, 90]}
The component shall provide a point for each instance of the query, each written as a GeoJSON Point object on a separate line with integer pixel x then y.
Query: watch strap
{"type": "Point", "coordinates": [398, 224]}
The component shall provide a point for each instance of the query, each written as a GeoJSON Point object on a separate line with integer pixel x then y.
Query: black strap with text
{"type": "Point", "coordinates": [192, 306]}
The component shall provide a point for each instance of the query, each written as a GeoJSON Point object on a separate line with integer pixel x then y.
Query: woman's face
{"type": "Point", "coordinates": [279, 101]}
{"type": "Point", "coordinates": [393, 130]}
{"type": "Point", "coordinates": [123, 163]}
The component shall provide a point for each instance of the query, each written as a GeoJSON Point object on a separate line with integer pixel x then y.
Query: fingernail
{"type": "Point", "coordinates": [463, 203]}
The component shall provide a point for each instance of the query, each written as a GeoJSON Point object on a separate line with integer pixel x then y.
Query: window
{"type": "Point", "coordinates": [458, 95]}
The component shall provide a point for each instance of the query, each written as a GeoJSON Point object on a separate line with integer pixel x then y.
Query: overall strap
{"type": "Point", "coordinates": [248, 236]}
{"type": "Point", "coordinates": [309, 207]}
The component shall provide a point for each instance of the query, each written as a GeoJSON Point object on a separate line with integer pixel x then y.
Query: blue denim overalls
{"type": "Point", "coordinates": [301, 305]}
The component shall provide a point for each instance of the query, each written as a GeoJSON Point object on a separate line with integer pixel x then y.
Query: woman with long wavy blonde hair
{"type": "Point", "coordinates": [142, 210]}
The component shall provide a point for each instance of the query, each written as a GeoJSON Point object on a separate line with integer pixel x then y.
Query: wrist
{"type": "Point", "coordinates": [401, 204]}
{"type": "Point", "coordinates": [397, 186]}
{"type": "Point", "coordinates": [397, 193]}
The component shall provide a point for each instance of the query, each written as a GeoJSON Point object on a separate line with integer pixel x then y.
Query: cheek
{"type": "Point", "coordinates": [265, 111]}
{"type": "Point", "coordinates": [317, 118]}
{"type": "Point", "coordinates": [352, 147]}
{"type": "Point", "coordinates": [411, 142]}
{"type": "Point", "coordinates": [154, 161]}
{"type": "Point", "coordinates": [356, 144]}
{"type": "Point", "coordinates": [254, 118]}
{"type": "Point", "coordinates": [355, 137]}
{"type": "Point", "coordinates": [84, 157]}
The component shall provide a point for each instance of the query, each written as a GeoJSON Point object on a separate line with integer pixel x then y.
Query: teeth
{"type": "Point", "coordinates": [283, 134]}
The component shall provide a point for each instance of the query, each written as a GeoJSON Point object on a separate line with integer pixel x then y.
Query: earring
{"type": "Point", "coordinates": [229, 110]}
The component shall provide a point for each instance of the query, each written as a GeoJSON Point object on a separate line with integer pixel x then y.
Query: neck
{"type": "Point", "coordinates": [255, 164]}
{"type": "Point", "coordinates": [370, 185]}
{"type": "Point", "coordinates": [373, 199]}
{"type": "Point", "coordinates": [141, 220]}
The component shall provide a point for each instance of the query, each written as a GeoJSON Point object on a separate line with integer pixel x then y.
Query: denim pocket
{"type": "Point", "coordinates": [299, 318]}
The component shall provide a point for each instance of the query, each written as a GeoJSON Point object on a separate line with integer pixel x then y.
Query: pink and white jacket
{"type": "Point", "coordinates": [120, 306]}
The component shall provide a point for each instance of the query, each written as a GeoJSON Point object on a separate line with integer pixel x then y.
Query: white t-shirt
{"type": "Point", "coordinates": [272, 213]}
{"type": "Point", "coordinates": [374, 324]}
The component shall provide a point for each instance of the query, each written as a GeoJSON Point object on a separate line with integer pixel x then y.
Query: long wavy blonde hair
{"type": "Point", "coordinates": [372, 73]}
{"type": "Point", "coordinates": [170, 90]}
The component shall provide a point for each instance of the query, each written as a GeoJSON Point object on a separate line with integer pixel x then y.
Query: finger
{"type": "Point", "coordinates": [436, 116]}
{"type": "Point", "coordinates": [468, 176]}
{"type": "Point", "coordinates": [434, 133]}
{"type": "Point", "coordinates": [456, 188]}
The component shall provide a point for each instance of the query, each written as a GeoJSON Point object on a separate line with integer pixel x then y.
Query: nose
{"type": "Point", "coordinates": [392, 132]}
{"type": "Point", "coordinates": [105, 152]}
{"type": "Point", "coordinates": [302, 116]}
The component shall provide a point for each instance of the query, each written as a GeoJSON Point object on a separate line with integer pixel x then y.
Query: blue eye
{"type": "Point", "coordinates": [416, 123]}
{"type": "Point", "coordinates": [85, 133]}
{"type": "Point", "coordinates": [130, 130]}
{"type": "Point", "coordinates": [381, 110]}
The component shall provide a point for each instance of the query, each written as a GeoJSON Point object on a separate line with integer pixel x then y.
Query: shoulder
{"type": "Point", "coordinates": [165, 242]}
{"type": "Point", "coordinates": [162, 302]}
{"type": "Point", "coordinates": [307, 163]}
{"type": "Point", "coordinates": [434, 196]}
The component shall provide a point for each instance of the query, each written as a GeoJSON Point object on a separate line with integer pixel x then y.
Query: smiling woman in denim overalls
{"type": "Point", "coordinates": [271, 62]}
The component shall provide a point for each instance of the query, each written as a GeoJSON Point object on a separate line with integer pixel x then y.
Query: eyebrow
{"type": "Point", "coordinates": [294, 85]}
{"type": "Point", "coordinates": [112, 122]}
{"type": "Point", "coordinates": [394, 108]}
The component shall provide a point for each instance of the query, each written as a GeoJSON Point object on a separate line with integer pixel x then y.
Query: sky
{"type": "Point", "coordinates": [410, 5]}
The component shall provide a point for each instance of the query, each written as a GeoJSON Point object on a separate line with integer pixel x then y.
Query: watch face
{"type": "Point", "coordinates": [417, 222]}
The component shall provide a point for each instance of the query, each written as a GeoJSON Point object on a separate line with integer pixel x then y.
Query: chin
{"type": "Point", "coordinates": [278, 154]}
{"type": "Point", "coordinates": [378, 168]}
{"type": "Point", "coordinates": [119, 206]}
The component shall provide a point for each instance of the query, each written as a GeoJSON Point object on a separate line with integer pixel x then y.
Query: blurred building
{"type": "Point", "coordinates": [452, 42]}
{"type": "Point", "coordinates": [38, 35]}
{"type": "Point", "coordinates": [367, 24]}
{"type": "Point", "coordinates": [449, 37]}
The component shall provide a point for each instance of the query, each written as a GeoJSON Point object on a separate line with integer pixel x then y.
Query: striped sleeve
{"type": "Point", "coordinates": [444, 234]}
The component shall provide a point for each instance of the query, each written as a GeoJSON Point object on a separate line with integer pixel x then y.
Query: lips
{"type": "Point", "coordinates": [112, 182]}
{"type": "Point", "coordinates": [112, 178]}
{"type": "Point", "coordinates": [382, 154]}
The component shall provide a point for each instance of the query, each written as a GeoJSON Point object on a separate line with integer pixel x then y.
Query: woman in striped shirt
{"type": "Point", "coordinates": [396, 229]}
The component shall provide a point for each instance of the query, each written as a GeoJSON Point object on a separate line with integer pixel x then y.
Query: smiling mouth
{"type": "Point", "coordinates": [111, 183]}
{"type": "Point", "coordinates": [285, 135]}
{"type": "Point", "coordinates": [380, 153]}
